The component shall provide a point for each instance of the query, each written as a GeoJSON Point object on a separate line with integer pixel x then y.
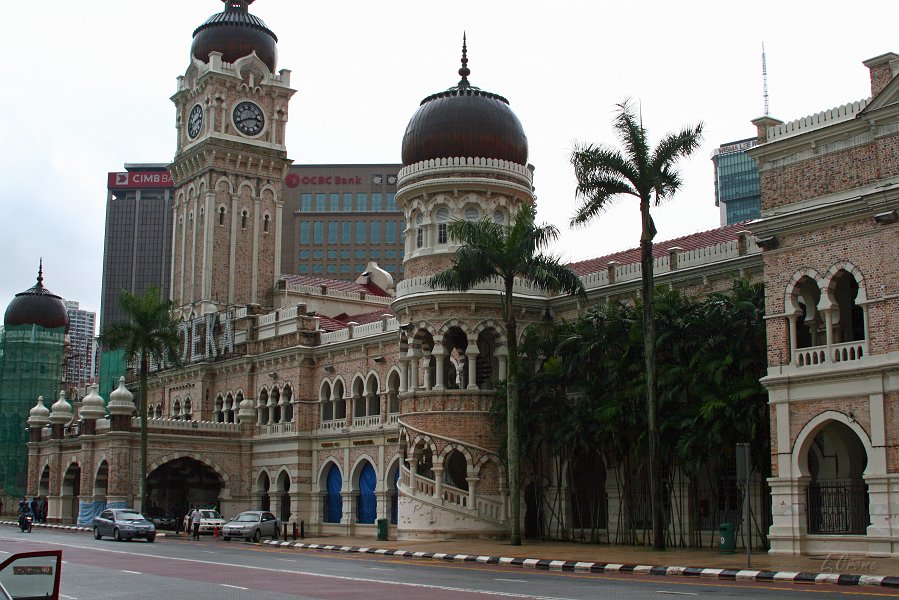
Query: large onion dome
{"type": "Point", "coordinates": [464, 121]}
{"type": "Point", "coordinates": [37, 306]}
{"type": "Point", "coordinates": [235, 33]}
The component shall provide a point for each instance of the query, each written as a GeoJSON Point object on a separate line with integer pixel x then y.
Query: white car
{"type": "Point", "coordinates": [210, 520]}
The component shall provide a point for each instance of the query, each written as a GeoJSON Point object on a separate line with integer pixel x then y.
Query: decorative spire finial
{"type": "Point", "coordinates": [40, 272]}
{"type": "Point", "coordinates": [464, 71]}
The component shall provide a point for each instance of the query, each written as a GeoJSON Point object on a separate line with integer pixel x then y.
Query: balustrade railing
{"type": "Point", "coordinates": [834, 353]}
{"type": "Point", "coordinates": [367, 422]}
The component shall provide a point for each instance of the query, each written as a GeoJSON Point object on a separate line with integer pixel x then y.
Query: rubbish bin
{"type": "Point", "coordinates": [382, 530]}
{"type": "Point", "coordinates": [727, 538]}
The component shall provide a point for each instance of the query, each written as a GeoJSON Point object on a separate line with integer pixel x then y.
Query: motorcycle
{"type": "Point", "coordinates": [25, 523]}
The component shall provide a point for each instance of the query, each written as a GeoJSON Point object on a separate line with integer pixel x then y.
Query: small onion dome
{"type": "Point", "coordinates": [37, 306]}
{"type": "Point", "coordinates": [246, 412]}
{"type": "Point", "coordinates": [61, 411]}
{"type": "Point", "coordinates": [39, 416]}
{"type": "Point", "coordinates": [235, 33]}
{"type": "Point", "coordinates": [121, 401]}
{"type": "Point", "coordinates": [92, 406]}
{"type": "Point", "coordinates": [464, 122]}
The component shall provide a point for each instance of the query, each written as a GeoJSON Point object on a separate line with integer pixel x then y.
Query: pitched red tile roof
{"type": "Point", "coordinates": [334, 284]}
{"type": "Point", "coordinates": [365, 318]}
{"type": "Point", "coordinates": [703, 239]}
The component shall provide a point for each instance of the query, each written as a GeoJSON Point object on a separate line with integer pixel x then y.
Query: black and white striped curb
{"type": "Point", "coordinates": [48, 526]}
{"type": "Point", "coordinates": [598, 567]}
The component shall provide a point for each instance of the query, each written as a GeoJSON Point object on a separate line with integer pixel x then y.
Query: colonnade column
{"type": "Point", "coordinates": [472, 355]}
{"type": "Point", "coordinates": [438, 353]}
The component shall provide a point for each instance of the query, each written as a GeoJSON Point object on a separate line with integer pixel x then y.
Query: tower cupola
{"type": "Point", "coordinates": [236, 33]}
{"type": "Point", "coordinates": [464, 121]}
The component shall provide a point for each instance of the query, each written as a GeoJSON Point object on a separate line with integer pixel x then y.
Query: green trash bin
{"type": "Point", "coordinates": [727, 538]}
{"type": "Point", "coordinates": [382, 530]}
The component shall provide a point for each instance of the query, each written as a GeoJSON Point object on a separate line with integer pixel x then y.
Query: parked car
{"type": "Point", "coordinates": [164, 521]}
{"type": "Point", "coordinates": [252, 525]}
{"type": "Point", "coordinates": [209, 520]}
{"type": "Point", "coordinates": [123, 524]}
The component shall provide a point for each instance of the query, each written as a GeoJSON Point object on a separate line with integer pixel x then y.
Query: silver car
{"type": "Point", "coordinates": [123, 524]}
{"type": "Point", "coordinates": [252, 525]}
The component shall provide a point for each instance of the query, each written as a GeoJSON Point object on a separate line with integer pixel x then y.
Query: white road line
{"type": "Point", "coordinates": [68, 597]}
{"type": "Point", "coordinates": [236, 587]}
{"type": "Point", "coordinates": [132, 572]}
{"type": "Point", "coordinates": [207, 551]}
{"type": "Point", "coordinates": [513, 580]}
{"type": "Point", "coordinates": [380, 569]}
{"type": "Point", "coordinates": [286, 560]}
{"type": "Point", "coordinates": [677, 593]}
{"type": "Point", "coordinates": [307, 573]}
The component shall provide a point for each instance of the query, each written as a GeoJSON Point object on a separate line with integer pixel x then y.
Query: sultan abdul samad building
{"type": "Point", "coordinates": [338, 403]}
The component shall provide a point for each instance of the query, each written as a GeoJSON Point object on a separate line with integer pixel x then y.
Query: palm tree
{"type": "Point", "coordinates": [604, 173]}
{"type": "Point", "coordinates": [490, 251]}
{"type": "Point", "coordinates": [151, 333]}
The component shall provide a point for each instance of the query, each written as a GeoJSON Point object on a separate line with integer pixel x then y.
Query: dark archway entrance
{"type": "Point", "coordinates": [71, 493]}
{"type": "Point", "coordinates": [182, 483]}
{"type": "Point", "coordinates": [837, 495]}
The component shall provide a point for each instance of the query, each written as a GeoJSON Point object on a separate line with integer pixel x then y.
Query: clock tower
{"type": "Point", "coordinates": [231, 159]}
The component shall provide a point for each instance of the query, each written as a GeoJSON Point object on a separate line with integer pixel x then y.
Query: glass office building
{"type": "Point", "coordinates": [737, 191]}
{"type": "Point", "coordinates": [340, 217]}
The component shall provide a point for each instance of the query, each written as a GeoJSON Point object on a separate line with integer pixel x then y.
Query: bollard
{"type": "Point", "coordinates": [215, 532]}
{"type": "Point", "coordinates": [294, 531]}
{"type": "Point", "coordinates": [302, 529]}
{"type": "Point", "coordinates": [285, 531]}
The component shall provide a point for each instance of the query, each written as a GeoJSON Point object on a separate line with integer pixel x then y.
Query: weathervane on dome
{"type": "Point", "coordinates": [464, 71]}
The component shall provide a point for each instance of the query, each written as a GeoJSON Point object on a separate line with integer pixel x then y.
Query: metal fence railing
{"type": "Point", "coordinates": [838, 507]}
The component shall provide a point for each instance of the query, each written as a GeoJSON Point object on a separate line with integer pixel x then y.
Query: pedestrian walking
{"type": "Point", "coordinates": [195, 522]}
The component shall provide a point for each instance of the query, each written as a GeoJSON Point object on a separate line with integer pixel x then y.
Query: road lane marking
{"type": "Point", "coordinates": [677, 593]}
{"type": "Point", "coordinates": [236, 587]}
{"type": "Point", "coordinates": [68, 597]}
{"type": "Point", "coordinates": [207, 551]}
{"type": "Point", "coordinates": [380, 569]}
{"type": "Point", "coordinates": [513, 580]}
{"type": "Point", "coordinates": [286, 560]}
{"type": "Point", "coordinates": [132, 572]}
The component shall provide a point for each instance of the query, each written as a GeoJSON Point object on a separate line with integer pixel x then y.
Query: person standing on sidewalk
{"type": "Point", "coordinates": [195, 523]}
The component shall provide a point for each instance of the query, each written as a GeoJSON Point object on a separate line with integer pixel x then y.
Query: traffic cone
{"type": "Point", "coordinates": [215, 532]}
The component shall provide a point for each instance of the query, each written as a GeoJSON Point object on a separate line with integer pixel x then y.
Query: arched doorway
{"type": "Point", "coordinates": [837, 495]}
{"type": "Point", "coordinates": [367, 507]}
{"type": "Point", "coordinates": [455, 470]}
{"type": "Point", "coordinates": [180, 484]}
{"type": "Point", "coordinates": [263, 484]}
{"type": "Point", "coordinates": [71, 493]}
{"type": "Point", "coordinates": [101, 482]}
{"type": "Point", "coordinates": [284, 489]}
{"type": "Point", "coordinates": [393, 476]}
{"type": "Point", "coordinates": [333, 509]}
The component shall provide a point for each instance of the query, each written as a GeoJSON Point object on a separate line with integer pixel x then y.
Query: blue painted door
{"type": "Point", "coordinates": [368, 503]}
{"type": "Point", "coordinates": [333, 499]}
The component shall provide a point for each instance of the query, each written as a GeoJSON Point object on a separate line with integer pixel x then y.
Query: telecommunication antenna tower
{"type": "Point", "coordinates": [765, 78]}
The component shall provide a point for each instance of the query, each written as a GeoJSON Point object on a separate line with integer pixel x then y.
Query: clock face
{"type": "Point", "coordinates": [248, 118]}
{"type": "Point", "coordinates": [195, 121]}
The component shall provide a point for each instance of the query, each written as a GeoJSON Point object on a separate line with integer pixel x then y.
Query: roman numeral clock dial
{"type": "Point", "coordinates": [195, 121]}
{"type": "Point", "coordinates": [248, 118]}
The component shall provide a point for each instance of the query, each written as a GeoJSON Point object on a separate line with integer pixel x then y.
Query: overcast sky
{"type": "Point", "coordinates": [86, 88]}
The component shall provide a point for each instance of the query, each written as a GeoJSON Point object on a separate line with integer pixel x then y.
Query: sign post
{"type": "Point", "coordinates": [744, 474]}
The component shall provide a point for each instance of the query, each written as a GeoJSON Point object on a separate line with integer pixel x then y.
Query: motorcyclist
{"type": "Point", "coordinates": [24, 512]}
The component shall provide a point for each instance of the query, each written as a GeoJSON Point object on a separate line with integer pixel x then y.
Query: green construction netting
{"type": "Point", "coordinates": [31, 361]}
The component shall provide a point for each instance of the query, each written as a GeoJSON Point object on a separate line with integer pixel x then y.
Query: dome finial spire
{"type": "Point", "coordinates": [464, 71]}
{"type": "Point", "coordinates": [40, 272]}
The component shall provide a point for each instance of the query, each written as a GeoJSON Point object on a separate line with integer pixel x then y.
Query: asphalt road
{"type": "Point", "coordinates": [212, 569]}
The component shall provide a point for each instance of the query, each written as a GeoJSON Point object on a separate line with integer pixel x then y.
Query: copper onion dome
{"type": "Point", "coordinates": [235, 33]}
{"type": "Point", "coordinates": [37, 306]}
{"type": "Point", "coordinates": [464, 121]}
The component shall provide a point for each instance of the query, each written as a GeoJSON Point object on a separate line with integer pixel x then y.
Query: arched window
{"type": "Point", "coordinates": [442, 223]}
{"type": "Point", "coordinates": [221, 215]}
{"type": "Point", "coordinates": [499, 217]}
{"type": "Point", "coordinates": [262, 407]}
{"type": "Point", "coordinates": [188, 415]}
{"type": "Point", "coordinates": [333, 512]}
{"type": "Point", "coordinates": [848, 317]}
{"type": "Point", "coordinates": [243, 220]}
{"type": "Point", "coordinates": [455, 470]}
{"type": "Point", "coordinates": [327, 409]}
{"type": "Point", "coordinates": [219, 408]}
{"type": "Point", "coordinates": [419, 231]}
{"type": "Point", "coordinates": [472, 213]}
{"type": "Point", "coordinates": [265, 221]}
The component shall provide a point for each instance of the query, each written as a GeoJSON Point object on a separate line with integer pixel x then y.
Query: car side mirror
{"type": "Point", "coordinates": [31, 575]}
